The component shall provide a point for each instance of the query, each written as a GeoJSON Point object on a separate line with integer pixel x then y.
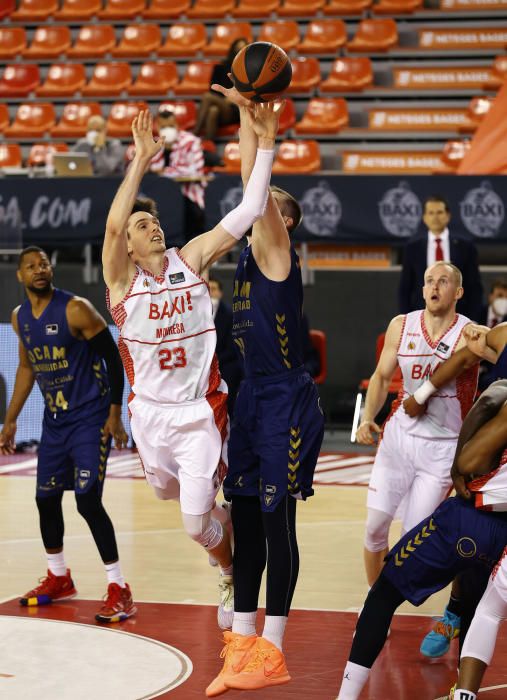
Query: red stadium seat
{"type": "Point", "coordinates": [155, 79]}
{"type": "Point", "coordinates": [19, 79]}
{"type": "Point", "coordinates": [231, 159]}
{"type": "Point", "coordinates": [184, 111]}
{"type": "Point", "coordinates": [350, 74]}
{"type": "Point", "coordinates": [119, 122]}
{"type": "Point", "coordinates": [225, 34]}
{"type": "Point", "coordinates": [297, 157]}
{"type": "Point", "coordinates": [166, 9]}
{"type": "Point", "coordinates": [374, 35]}
{"type": "Point", "coordinates": [283, 32]}
{"type": "Point", "coordinates": [12, 41]}
{"type": "Point", "coordinates": [184, 40]}
{"type": "Point", "coordinates": [4, 117]}
{"type": "Point", "coordinates": [32, 120]}
{"type": "Point", "coordinates": [204, 9]}
{"type": "Point", "coordinates": [346, 7]}
{"type": "Point", "coordinates": [93, 41]}
{"type": "Point", "coordinates": [63, 79]}
{"type": "Point", "coordinates": [7, 7]}
{"type": "Point", "coordinates": [138, 40]}
{"type": "Point", "coordinates": [397, 7]}
{"type": "Point", "coordinates": [396, 379]}
{"type": "Point", "coordinates": [75, 118]}
{"type": "Point", "coordinates": [109, 79]}
{"type": "Point", "coordinates": [72, 10]}
{"type": "Point", "coordinates": [319, 342]}
{"type": "Point", "coordinates": [255, 8]}
{"type": "Point", "coordinates": [10, 155]}
{"type": "Point", "coordinates": [300, 8]}
{"type": "Point", "coordinates": [324, 36]}
{"type": "Point", "coordinates": [196, 79]}
{"type": "Point", "coordinates": [305, 74]}
{"type": "Point", "coordinates": [34, 10]}
{"type": "Point", "coordinates": [122, 9]}
{"type": "Point", "coordinates": [287, 117]}
{"type": "Point", "coordinates": [49, 41]}
{"type": "Point", "coordinates": [39, 153]}
{"type": "Point", "coordinates": [324, 115]}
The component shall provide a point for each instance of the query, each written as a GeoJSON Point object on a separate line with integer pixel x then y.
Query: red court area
{"type": "Point", "coordinates": [317, 645]}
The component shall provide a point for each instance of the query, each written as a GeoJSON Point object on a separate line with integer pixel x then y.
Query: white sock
{"type": "Point", "coordinates": [56, 564]}
{"type": "Point", "coordinates": [354, 680]}
{"type": "Point", "coordinates": [274, 629]}
{"type": "Point", "coordinates": [244, 623]}
{"type": "Point", "coordinates": [114, 574]}
{"type": "Point", "coordinates": [460, 694]}
{"type": "Point", "coordinates": [226, 570]}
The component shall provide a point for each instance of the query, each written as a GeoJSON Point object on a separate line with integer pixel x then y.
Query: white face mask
{"type": "Point", "coordinates": [169, 133]}
{"type": "Point", "coordinates": [500, 307]}
{"type": "Point", "coordinates": [91, 136]}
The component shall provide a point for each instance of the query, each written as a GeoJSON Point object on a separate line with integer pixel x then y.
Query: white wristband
{"type": "Point", "coordinates": [253, 205]}
{"type": "Point", "coordinates": [424, 392]}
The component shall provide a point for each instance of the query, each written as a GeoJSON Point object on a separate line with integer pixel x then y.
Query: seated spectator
{"type": "Point", "coordinates": [494, 312]}
{"type": "Point", "coordinates": [215, 109]}
{"type": "Point", "coordinates": [107, 155]}
{"type": "Point", "coordinates": [228, 361]}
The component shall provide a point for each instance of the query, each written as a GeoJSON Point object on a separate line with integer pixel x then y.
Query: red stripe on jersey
{"type": "Point", "coordinates": [427, 338]}
{"type": "Point", "coordinates": [466, 388]}
{"type": "Point", "coordinates": [166, 289]}
{"type": "Point", "coordinates": [128, 363]}
{"type": "Point", "coordinates": [172, 340]}
{"type": "Point", "coordinates": [178, 253]}
{"type": "Point", "coordinates": [218, 403]}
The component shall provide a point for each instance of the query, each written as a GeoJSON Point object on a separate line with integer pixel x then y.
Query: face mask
{"type": "Point", "coordinates": [169, 133]}
{"type": "Point", "coordinates": [91, 136]}
{"type": "Point", "coordinates": [500, 307]}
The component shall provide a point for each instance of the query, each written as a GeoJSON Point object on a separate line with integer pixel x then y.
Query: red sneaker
{"type": "Point", "coordinates": [50, 588]}
{"type": "Point", "coordinates": [118, 604]}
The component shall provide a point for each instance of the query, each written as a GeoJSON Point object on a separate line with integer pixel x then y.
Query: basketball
{"type": "Point", "coordinates": [261, 71]}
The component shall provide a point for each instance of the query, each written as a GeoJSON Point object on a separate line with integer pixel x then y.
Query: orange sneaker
{"type": "Point", "coordinates": [265, 668]}
{"type": "Point", "coordinates": [118, 604]}
{"type": "Point", "coordinates": [236, 654]}
{"type": "Point", "coordinates": [50, 588]}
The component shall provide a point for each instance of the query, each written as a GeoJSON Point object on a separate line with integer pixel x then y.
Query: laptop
{"type": "Point", "coordinates": [72, 165]}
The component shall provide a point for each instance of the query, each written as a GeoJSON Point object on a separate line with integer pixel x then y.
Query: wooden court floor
{"type": "Point", "coordinates": [176, 590]}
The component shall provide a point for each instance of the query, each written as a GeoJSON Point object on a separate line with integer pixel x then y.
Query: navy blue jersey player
{"type": "Point", "coordinates": [63, 343]}
{"type": "Point", "coordinates": [275, 438]}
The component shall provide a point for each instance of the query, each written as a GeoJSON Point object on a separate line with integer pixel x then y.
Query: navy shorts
{"type": "Point", "coordinates": [454, 538]}
{"type": "Point", "coordinates": [275, 439]}
{"type": "Point", "coordinates": [72, 454]}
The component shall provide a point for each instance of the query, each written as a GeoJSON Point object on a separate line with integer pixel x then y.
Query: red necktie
{"type": "Point", "coordinates": [439, 253]}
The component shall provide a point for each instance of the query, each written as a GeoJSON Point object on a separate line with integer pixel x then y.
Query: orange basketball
{"type": "Point", "coordinates": [261, 71]}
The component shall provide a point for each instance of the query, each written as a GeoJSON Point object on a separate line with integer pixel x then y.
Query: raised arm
{"type": "Point", "coordinates": [22, 387]}
{"type": "Point", "coordinates": [118, 269]}
{"type": "Point", "coordinates": [203, 250]}
{"type": "Point", "coordinates": [378, 388]}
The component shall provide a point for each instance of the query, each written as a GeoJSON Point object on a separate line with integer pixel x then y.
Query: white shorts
{"type": "Point", "coordinates": [185, 444]}
{"type": "Point", "coordinates": [499, 577]}
{"type": "Point", "coordinates": [411, 468]}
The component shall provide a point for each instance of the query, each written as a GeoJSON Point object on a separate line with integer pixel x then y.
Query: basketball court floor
{"type": "Point", "coordinates": [171, 648]}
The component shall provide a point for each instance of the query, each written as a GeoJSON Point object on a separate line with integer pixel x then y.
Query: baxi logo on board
{"type": "Point", "coordinates": [400, 211]}
{"type": "Point", "coordinates": [322, 210]}
{"type": "Point", "coordinates": [482, 211]}
{"type": "Point", "coordinates": [231, 199]}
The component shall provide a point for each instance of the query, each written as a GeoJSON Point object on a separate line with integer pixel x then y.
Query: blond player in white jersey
{"type": "Point", "coordinates": [161, 304]}
{"type": "Point", "coordinates": [414, 456]}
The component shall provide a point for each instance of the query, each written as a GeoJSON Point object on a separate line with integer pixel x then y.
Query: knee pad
{"type": "Point", "coordinates": [203, 530]}
{"type": "Point", "coordinates": [376, 537]}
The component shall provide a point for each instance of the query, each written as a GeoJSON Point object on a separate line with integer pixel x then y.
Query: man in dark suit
{"type": "Point", "coordinates": [439, 244]}
{"type": "Point", "coordinates": [228, 361]}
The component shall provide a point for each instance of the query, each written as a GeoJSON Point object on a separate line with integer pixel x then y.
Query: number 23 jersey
{"type": "Point", "coordinates": [167, 334]}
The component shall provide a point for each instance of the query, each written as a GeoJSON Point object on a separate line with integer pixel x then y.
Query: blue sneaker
{"type": "Point", "coordinates": [437, 642]}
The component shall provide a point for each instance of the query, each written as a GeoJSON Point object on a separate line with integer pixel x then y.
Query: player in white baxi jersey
{"type": "Point", "coordinates": [414, 456]}
{"type": "Point", "coordinates": [161, 304]}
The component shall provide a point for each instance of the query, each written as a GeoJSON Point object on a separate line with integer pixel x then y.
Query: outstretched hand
{"type": "Point", "coordinates": [142, 130]}
{"type": "Point", "coordinates": [265, 117]}
{"type": "Point", "coordinates": [232, 94]}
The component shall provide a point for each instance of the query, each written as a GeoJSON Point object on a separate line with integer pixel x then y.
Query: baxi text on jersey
{"type": "Point", "coordinates": [176, 305]}
{"type": "Point", "coordinates": [424, 372]}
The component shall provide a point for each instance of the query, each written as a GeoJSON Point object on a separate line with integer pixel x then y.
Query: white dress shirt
{"type": "Point", "coordinates": [444, 242]}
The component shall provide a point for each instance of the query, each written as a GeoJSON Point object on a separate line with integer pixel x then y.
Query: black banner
{"type": "Point", "coordinates": [73, 211]}
{"type": "Point", "coordinates": [379, 209]}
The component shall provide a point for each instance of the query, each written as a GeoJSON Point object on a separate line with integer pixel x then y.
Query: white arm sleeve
{"type": "Point", "coordinates": [255, 197]}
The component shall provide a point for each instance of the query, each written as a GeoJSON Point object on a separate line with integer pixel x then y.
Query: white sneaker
{"type": "Point", "coordinates": [225, 611]}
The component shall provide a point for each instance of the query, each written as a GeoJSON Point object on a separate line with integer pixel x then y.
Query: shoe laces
{"type": "Point", "coordinates": [226, 592]}
{"type": "Point", "coordinates": [44, 582]}
{"type": "Point", "coordinates": [444, 628]}
{"type": "Point", "coordinates": [260, 656]}
{"type": "Point", "coordinates": [112, 597]}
